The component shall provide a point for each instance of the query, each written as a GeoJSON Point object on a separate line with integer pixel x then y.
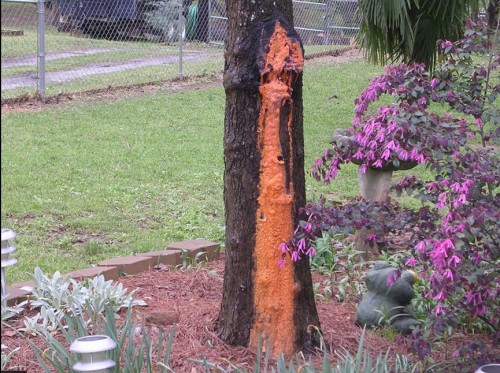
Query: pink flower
{"type": "Point", "coordinates": [411, 262]}
{"type": "Point", "coordinates": [358, 154]}
{"type": "Point", "coordinates": [391, 145]}
{"type": "Point", "coordinates": [444, 183]}
{"type": "Point", "coordinates": [440, 204]}
{"type": "Point", "coordinates": [439, 310]}
{"type": "Point", "coordinates": [392, 125]}
{"type": "Point", "coordinates": [450, 95]}
{"type": "Point", "coordinates": [377, 164]}
{"type": "Point", "coordinates": [439, 296]}
{"type": "Point", "coordinates": [386, 154]}
{"type": "Point", "coordinates": [283, 248]}
{"type": "Point", "coordinates": [363, 168]}
{"type": "Point", "coordinates": [421, 246]}
{"type": "Point", "coordinates": [448, 244]}
{"type": "Point", "coordinates": [454, 261]}
{"type": "Point", "coordinates": [448, 274]}
{"type": "Point", "coordinates": [432, 186]}
{"type": "Point", "coordinates": [392, 278]}
{"type": "Point", "coordinates": [434, 83]}
{"type": "Point", "coordinates": [380, 137]}
{"type": "Point", "coordinates": [414, 155]}
{"type": "Point", "coordinates": [281, 262]}
{"type": "Point", "coordinates": [456, 187]}
{"type": "Point", "coordinates": [311, 251]}
{"type": "Point", "coordinates": [460, 200]}
{"type": "Point", "coordinates": [403, 154]}
{"type": "Point", "coordinates": [478, 122]}
{"type": "Point", "coordinates": [301, 245]}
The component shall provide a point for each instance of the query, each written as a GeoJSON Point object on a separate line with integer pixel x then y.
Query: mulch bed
{"type": "Point", "coordinates": [193, 296]}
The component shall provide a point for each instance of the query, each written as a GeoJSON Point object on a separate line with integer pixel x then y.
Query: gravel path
{"type": "Point", "coordinates": [30, 79]}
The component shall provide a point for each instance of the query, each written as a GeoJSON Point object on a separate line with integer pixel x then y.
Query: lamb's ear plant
{"type": "Point", "coordinates": [129, 355]}
{"type": "Point", "coordinates": [7, 356]}
{"type": "Point", "coordinates": [58, 295]}
{"type": "Point", "coordinates": [9, 312]}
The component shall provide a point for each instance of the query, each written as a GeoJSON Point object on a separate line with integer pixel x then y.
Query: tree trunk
{"type": "Point", "coordinates": [491, 14]}
{"type": "Point", "coordinates": [264, 183]}
{"type": "Point", "coordinates": [203, 21]}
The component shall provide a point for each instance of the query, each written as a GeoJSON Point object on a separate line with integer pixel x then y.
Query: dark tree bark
{"type": "Point", "coordinates": [203, 21]}
{"type": "Point", "coordinates": [491, 14]}
{"type": "Point", "coordinates": [264, 183]}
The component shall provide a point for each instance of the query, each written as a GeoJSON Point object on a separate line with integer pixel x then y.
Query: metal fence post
{"type": "Point", "coordinates": [181, 30]}
{"type": "Point", "coordinates": [328, 18]}
{"type": "Point", "coordinates": [41, 49]}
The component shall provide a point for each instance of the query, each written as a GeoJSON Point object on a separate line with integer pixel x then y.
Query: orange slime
{"type": "Point", "coordinates": [275, 288]}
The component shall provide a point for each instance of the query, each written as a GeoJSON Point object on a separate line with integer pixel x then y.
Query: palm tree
{"type": "Point", "coordinates": [407, 30]}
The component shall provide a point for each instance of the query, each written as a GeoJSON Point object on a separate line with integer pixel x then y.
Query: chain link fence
{"type": "Point", "coordinates": [54, 46]}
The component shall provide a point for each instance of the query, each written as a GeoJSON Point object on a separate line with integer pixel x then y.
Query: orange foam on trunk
{"type": "Point", "coordinates": [275, 288]}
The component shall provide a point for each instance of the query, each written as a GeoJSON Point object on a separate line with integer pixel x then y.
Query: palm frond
{"type": "Point", "coordinates": [407, 30]}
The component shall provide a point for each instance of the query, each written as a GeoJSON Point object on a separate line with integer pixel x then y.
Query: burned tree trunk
{"type": "Point", "coordinates": [264, 182]}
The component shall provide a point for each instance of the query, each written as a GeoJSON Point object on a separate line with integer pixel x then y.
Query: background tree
{"type": "Point", "coordinates": [264, 183]}
{"type": "Point", "coordinates": [202, 30]}
{"type": "Point", "coordinates": [408, 29]}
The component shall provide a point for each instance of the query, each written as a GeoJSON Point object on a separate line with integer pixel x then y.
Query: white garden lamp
{"type": "Point", "coordinates": [490, 368]}
{"type": "Point", "coordinates": [7, 261]}
{"type": "Point", "coordinates": [94, 350]}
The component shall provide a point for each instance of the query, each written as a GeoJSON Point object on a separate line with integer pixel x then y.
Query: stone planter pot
{"type": "Point", "coordinates": [490, 368]}
{"type": "Point", "coordinates": [374, 186]}
{"type": "Point", "coordinates": [390, 166]}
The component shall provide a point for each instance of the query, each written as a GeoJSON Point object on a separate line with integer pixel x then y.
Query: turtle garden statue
{"type": "Point", "coordinates": [387, 303]}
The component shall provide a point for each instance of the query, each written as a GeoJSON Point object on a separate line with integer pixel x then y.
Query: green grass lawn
{"type": "Point", "coordinates": [86, 182]}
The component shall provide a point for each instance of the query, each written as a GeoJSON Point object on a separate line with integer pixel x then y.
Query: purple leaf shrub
{"type": "Point", "coordinates": [453, 238]}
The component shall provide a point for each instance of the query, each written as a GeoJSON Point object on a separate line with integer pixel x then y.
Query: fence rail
{"type": "Point", "coordinates": [53, 46]}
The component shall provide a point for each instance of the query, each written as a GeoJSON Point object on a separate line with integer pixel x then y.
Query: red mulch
{"type": "Point", "coordinates": [196, 295]}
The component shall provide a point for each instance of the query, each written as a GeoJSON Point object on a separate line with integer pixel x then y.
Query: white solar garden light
{"type": "Point", "coordinates": [7, 261]}
{"type": "Point", "coordinates": [490, 368]}
{"type": "Point", "coordinates": [94, 350]}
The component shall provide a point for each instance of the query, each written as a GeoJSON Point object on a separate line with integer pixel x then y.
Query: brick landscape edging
{"type": "Point", "coordinates": [112, 269]}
